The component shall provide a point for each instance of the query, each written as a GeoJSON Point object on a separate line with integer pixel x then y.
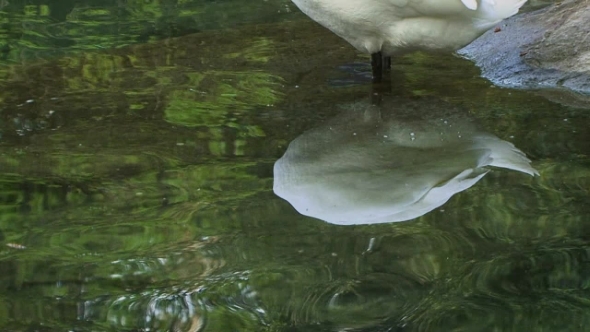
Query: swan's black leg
{"type": "Point", "coordinates": [381, 88]}
{"type": "Point", "coordinates": [387, 63]}
{"type": "Point", "coordinates": [377, 66]}
{"type": "Point", "coordinates": [381, 68]}
{"type": "Point", "coordinates": [380, 64]}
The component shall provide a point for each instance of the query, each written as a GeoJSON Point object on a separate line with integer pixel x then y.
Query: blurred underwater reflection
{"type": "Point", "coordinates": [392, 162]}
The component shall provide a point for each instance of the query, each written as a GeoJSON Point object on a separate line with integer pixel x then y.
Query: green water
{"type": "Point", "coordinates": [137, 144]}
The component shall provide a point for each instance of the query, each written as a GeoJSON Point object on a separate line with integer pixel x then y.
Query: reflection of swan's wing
{"type": "Point", "coordinates": [358, 189]}
{"type": "Point", "coordinates": [439, 195]}
{"type": "Point", "coordinates": [502, 154]}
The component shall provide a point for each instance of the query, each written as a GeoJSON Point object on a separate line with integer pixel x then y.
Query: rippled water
{"type": "Point", "coordinates": [137, 147]}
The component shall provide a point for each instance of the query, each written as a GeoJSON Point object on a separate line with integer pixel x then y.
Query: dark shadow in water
{"type": "Point", "coordinates": [387, 163]}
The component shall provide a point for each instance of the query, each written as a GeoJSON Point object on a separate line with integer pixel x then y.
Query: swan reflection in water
{"type": "Point", "coordinates": [388, 163]}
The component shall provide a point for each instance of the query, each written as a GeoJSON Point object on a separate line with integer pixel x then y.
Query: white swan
{"type": "Point", "coordinates": [390, 27]}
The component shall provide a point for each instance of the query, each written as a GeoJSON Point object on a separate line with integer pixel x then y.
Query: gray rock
{"type": "Point", "coordinates": [547, 48]}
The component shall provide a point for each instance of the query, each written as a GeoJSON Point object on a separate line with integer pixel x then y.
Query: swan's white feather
{"type": "Point", "coordinates": [401, 26]}
{"type": "Point", "coordinates": [471, 4]}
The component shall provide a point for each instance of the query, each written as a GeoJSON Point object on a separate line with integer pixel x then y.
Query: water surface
{"type": "Point", "coordinates": [136, 182]}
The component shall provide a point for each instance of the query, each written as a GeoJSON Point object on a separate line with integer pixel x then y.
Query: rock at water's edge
{"type": "Point", "coordinates": [547, 48]}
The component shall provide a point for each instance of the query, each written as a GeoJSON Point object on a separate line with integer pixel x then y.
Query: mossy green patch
{"type": "Point", "coordinates": [215, 94]}
{"type": "Point", "coordinates": [258, 50]}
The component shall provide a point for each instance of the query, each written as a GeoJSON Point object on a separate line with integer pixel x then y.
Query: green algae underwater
{"type": "Point", "coordinates": [137, 143]}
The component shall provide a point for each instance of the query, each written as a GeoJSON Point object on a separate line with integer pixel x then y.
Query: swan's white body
{"type": "Point", "coordinates": [402, 26]}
